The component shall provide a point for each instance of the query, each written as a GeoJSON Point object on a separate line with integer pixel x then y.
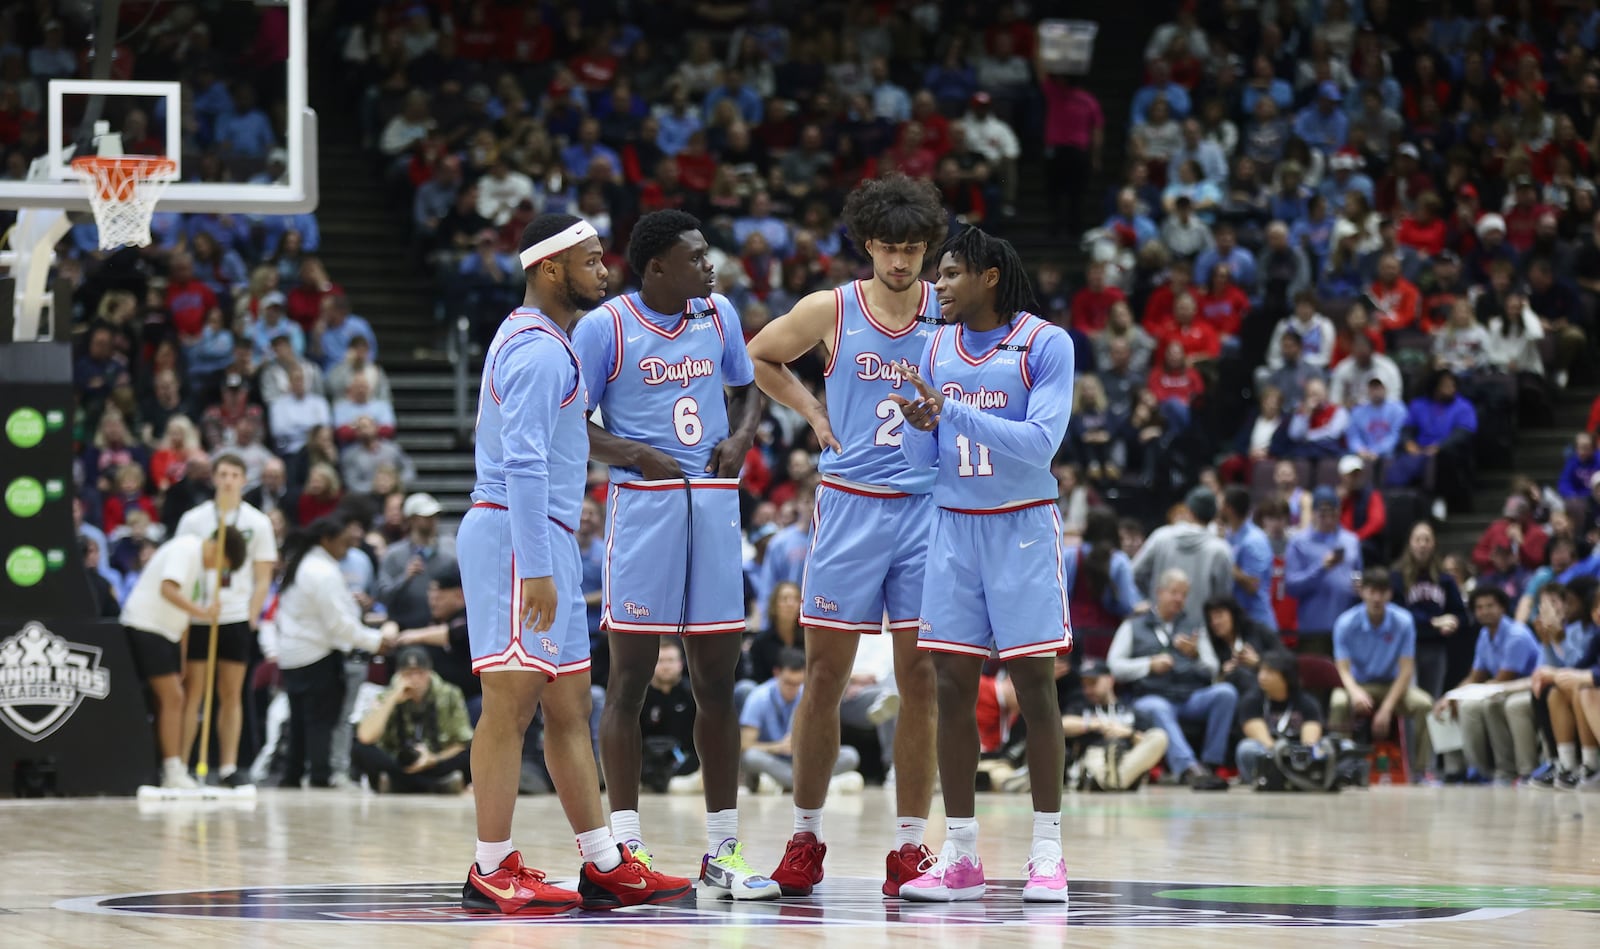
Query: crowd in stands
{"type": "Point", "coordinates": [1369, 238]}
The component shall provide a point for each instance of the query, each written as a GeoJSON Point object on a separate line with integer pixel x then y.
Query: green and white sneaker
{"type": "Point", "coordinates": [726, 875]}
{"type": "Point", "coordinates": [636, 847]}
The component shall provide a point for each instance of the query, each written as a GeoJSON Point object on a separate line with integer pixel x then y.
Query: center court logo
{"type": "Point", "coordinates": [856, 901]}
{"type": "Point", "coordinates": [43, 680]}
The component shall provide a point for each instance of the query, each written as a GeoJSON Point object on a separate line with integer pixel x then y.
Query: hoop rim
{"type": "Point", "coordinates": [143, 166]}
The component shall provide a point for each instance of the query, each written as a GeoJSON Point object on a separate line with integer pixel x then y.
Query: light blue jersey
{"type": "Point", "coordinates": [860, 374]}
{"type": "Point", "coordinates": [532, 434]}
{"type": "Point", "coordinates": [1008, 397]}
{"type": "Point", "coordinates": [658, 378]}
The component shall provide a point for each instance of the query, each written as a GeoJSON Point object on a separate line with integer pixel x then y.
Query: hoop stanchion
{"type": "Point", "coordinates": [123, 192]}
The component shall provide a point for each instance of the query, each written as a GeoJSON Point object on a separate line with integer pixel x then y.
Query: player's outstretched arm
{"type": "Point", "coordinates": [1036, 438]}
{"type": "Point", "coordinates": [652, 464]}
{"type": "Point", "coordinates": [786, 339]}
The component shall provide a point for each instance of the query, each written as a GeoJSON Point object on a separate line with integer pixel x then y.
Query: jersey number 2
{"type": "Point", "coordinates": [889, 431]}
{"type": "Point", "coordinates": [965, 468]}
{"type": "Point", "coordinates": [686, 421]}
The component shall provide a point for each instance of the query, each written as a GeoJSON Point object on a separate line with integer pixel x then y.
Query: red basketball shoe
{"type": "Point", "coordinates": [903, 866]}
{"type": "Point", "coordinates": [801, 868]}
{"type": "Point", "coordinates": [515, 890]}
{"type": "Point", "coordinates": [628, 884]}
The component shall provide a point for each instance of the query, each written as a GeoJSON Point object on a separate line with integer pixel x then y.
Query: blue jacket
{"type": "Point", "coordinates": [1430, 423]}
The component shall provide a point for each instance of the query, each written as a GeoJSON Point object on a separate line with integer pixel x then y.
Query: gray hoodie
{"type": "Point", "coordinates": [1204, 558]}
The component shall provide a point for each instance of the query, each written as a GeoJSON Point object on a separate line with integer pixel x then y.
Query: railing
{"type": "Point", "coordinates": [459, 348]}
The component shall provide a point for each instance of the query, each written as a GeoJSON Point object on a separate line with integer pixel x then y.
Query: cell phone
{"type": "Point", "coordinates": [1338, 554]}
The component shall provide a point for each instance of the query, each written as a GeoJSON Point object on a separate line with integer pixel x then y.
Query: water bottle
{"type": "Point", "coordinates": [1383, 769]}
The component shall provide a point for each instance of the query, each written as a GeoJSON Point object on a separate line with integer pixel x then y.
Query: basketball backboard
{"type": "Point", "coordinates": [194, 63]}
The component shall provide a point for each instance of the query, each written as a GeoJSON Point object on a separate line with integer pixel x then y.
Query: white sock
{"type": "Point", "coordinates": [961, 836]}
{"type": "Point", "coordinates": [720, 826]}
{"type": "Point", "coordinates": [173, 766]}
{"type": "Point", "coordinates": [1567, 754]}
{"type": "Point", "coordinates": [808, 820]}
{"type": "Point", "coordinates": [1591, 758]}
{"type": "Point", "coordinates": [599, 848]}
{"type": "Point", "coordinates": [491, 852]}
{"type": "Point", "coordinates": [226, 770]}
{"type": "Point", "coordinates": [909, 830]}
{"type": "Point", "coordinates": [1046, 836]}
{"type": "Point", "coordinates": [625, 827]}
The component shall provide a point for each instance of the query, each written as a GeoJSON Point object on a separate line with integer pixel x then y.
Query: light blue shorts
{"type": "Point", "coordinates": [868, 554]}
{"type": "Point", "coordinates": [651, 558]}
{"type": "Point", "coordinates": [494, 599]}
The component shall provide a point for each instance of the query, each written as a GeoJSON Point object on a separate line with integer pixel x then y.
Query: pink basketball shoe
{"type": "Point", "coordinates": [946, 880]}
{"type": "Point", "coordinates": [1047, 880]}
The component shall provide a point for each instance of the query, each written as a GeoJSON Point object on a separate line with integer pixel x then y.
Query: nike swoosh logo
{"type": "Point", "coordinates": [942, 362]}
{"type": "Point", "coordinates": [635, 339]}
{"type": "Point", "coordinates": [637, 886]}
{"type": "Point", "coordinates": [853, 332]}
{"type": "Point", "coordinates": [1028, 544]}
{"type": "Point", "coordinates": [504, 894]}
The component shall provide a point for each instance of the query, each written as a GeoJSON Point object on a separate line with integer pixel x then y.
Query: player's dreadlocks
{"type": "Point", "coordinates": [654, 235]}
{"type": "Point", "coordinates": [979, 251]}
{"type": "Point", "coordinates": [895, 210]}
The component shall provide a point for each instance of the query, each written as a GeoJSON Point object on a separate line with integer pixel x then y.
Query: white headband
{"type": "Point", "coordinates": [556, 243]}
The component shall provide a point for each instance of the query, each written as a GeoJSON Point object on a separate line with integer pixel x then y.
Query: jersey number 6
{"type": "Point", "coordinates": [686, 421]}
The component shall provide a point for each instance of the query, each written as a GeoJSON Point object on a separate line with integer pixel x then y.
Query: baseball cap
{"type": "Point", "coordinates": [1491, 222]}
{"type": "Point", "coordinates": [1094, 667]}
{"type": "Point", "coordinates": [273, 298]}
{"type": "Point", "coordinates": [1324, 495]}
{"type": "Point", "coordinates": [234, 381]}
{"type": "Point", "coordinates": [1202, 504]}
{"type": "Point", "coordinates": [1409, 150]}
{"type": "Point", "coordinates": [981, 98]}
{"type": "Point", "coordinates": [413, 657]}
{"type": "Point", "coordinates": [1468, 190]}
{"type": "Point", "coordinates": [420, 505]}
{"type": "Point", "coordinates": [1350, 463]}
{"type": "Point", "coordinates": [1446, 257]}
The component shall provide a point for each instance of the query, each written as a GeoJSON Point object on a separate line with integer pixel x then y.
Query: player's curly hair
{"type": "Point", "coordinates": [895, 210]}
{"type": "Point", "coordinates": [980, 251]}
{"type": "Point", "coordinates": [654, 235]}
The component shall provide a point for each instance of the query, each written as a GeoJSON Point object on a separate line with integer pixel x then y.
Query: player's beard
{"type": "Point", "coordinates": [897, 284]}
{"type": "Point", "coordinates": [576, 298]}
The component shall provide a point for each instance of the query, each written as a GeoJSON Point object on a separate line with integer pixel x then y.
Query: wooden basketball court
{"type": "Point", "coordinates": [1165, 867]}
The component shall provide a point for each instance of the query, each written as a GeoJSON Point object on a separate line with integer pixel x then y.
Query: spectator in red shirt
{"type": "Point", "coordinates": [1361, 510]}
{"type": "Point", "coordinates": [1356, 324]}
{"type": "Point", "coordinates": [1174, 380]}
{"type": "Point", "coordinates": [935, 127]}
{"type": "Point", "coordinates": [1398, 191]}
{"type": "Point", "coordinates": [1395, 300]}
{"type": "Point", "coordinates": [1223, 305]}
{"type": "Point", "coordinates": [1426, 84]}
{"type": "Point", "coordinates": [305, 298]}
{"type": "Point", "coordinates": [1565, 142]}
{"type": "Point", "coordinates": [1091, 306]}
{"type": "Point", "coordinates": [1158, 309]}
{"type": "Point", "coordinates": [1196, 338]}
{"type": "Point", "coordinates": [1516, 530]}
{"type": "Point", "coordinates": [912, 156]}
{"type": "Point", "coordinates": [1074, 132]}
{"type": "Point", "coordinates": [1424, 231]}
{"type": "Point", "coordinates": [129, 496]}
{"type": "Point", "coordinates": [188, 300]}
{"type": "Point", "coordinates": [1522, 218]}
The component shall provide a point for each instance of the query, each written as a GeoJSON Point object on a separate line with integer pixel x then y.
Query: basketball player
{"type": "Point", "coordinates": [242, 596]}
{"type": "Point", "coordinates": [522, 577]}
{"type": "Point", "coordinates": [993, 396]}
{"type": "Point", "coordinates": [872, 511]}
{"type": "Point", "coordinates": [658, 363]}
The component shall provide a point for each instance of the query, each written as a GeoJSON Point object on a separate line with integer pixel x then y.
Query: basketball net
{"type": "Point", "coordinates": [123, 191]}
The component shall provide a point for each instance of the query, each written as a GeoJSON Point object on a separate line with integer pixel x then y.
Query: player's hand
{"type": "Point", "coordinates": [1361, 700]}
{"type": "Point", "coordinates": [657, 465]}
{"type": "Point", "coordinates": [1381, 720]}
{"type": "Point", "coordinates": [424, 761]}
{"type": "Point", "coordinates": [1542, 678]}
{"type": "Point", "coordinates": [209, 614]}
{"type": "Point", "coordinates": [932, 398]}
{"type": "Point", "coordinates": [538, 603]}
{"type": "Point", "coordinates": [1443, 708]}
{"type": "Point", "coordinates": [727, 457]}
{"type": "Point", "coordinates": [1160, 664]}
{"type": "Point", "coordinates": [824, 432]}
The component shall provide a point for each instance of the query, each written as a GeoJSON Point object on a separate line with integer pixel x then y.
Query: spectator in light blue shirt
{"type": "Point", "coordinates": [1376, 424]}
{"type": "Point", "coordinates": [577, 157]}
{"type": "Point", "coordinates": [766, 726]}
{"type": "Point", "coordinates": [676, 122]}
{"type": "Point", "coordinates": [1252, 558]}
{"type": "Point", "coordinates": [889, 101]}
{"type": "Point", "coordinates": [1161, 84]}
{"type": "Point", "coordinates": [1323, 124]}
{"type": "Point", "coordinates": [761, 219]}
{"type": "Point", "coordinates": [1204, 151]}
{"type": "Point", "coordinates": [339, 326]}
{"type": "Point", "coordinates": [1498, 739]}
{"type": "Point", "coordinates": [747, 100]}
{"type": "Point", "coordinates": [1375, 647]}
{"type": "Point", "coordinates": [245, 131]}
{"type": "Point", "coordinates": [1320, 565]}
{"type": "Point", "coordinates": [272, 323]}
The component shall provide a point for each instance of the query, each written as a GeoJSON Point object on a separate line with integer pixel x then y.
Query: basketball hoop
{"type": "Point", "coordinates": [123, 192]}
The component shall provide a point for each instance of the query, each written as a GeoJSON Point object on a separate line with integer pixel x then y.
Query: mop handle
{"type": "Point", "coordinates": [203, 767]}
